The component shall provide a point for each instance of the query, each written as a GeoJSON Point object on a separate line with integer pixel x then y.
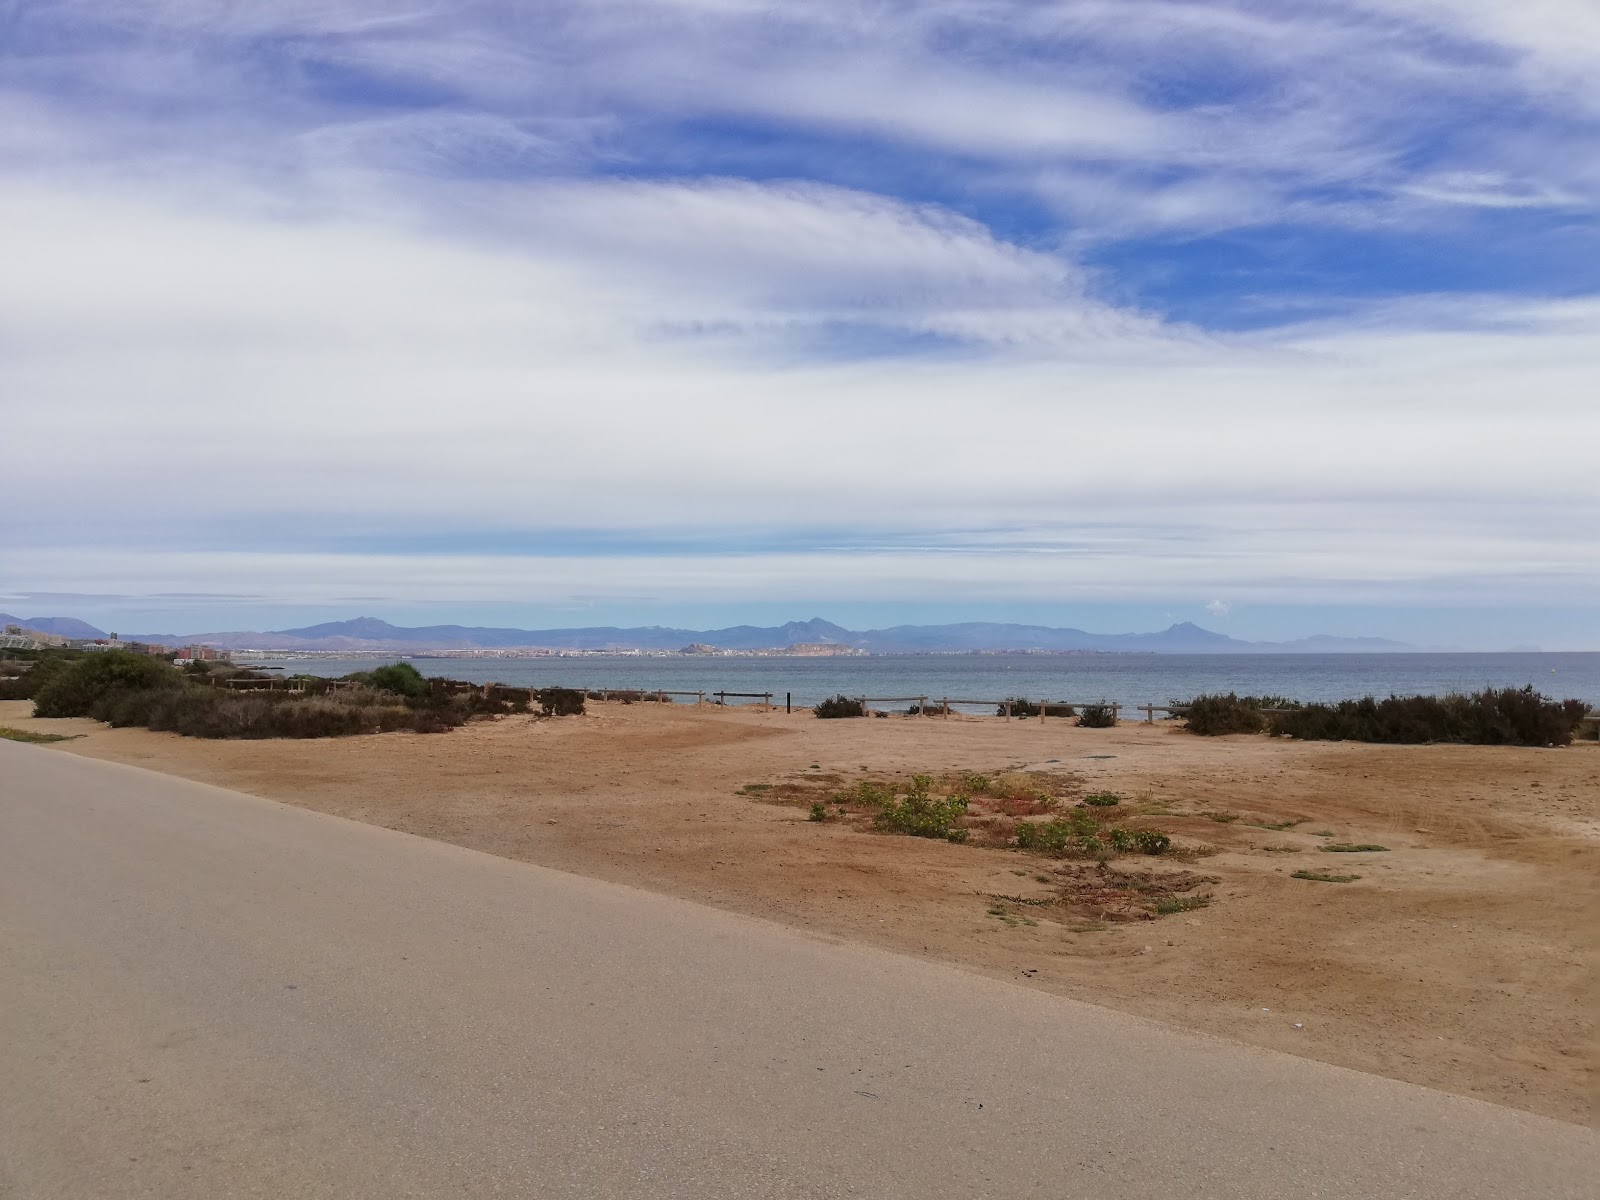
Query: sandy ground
{"type": "Point", "coordinates": [1464, 958]}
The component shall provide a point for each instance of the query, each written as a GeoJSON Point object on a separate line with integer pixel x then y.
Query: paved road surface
{"type": "Point", "coordinates": [204, 994]}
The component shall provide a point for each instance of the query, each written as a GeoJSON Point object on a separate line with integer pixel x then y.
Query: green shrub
{"type": "Point", "coordinates": [26, 684]}
{"type": "Point", "coordinates": [204, 712]}
{"type": "Point", "coordinates": [1216, 715]}
{"type": "Point", "coordinates": [72, 692]}
{"type": "Point", "coordinates": [1102, 799]}
{"type": "Point", "coordinates": [1492, 717]}
{"type": "Point", "coordinates": [560, 702]}
{"type": "Point", "coordinates": [1323, 877]}
{"type": "Point", "coordinates": [1096, 716]}
{"type": "Point", "coordinates": [840, 706]}
{"type": "Point", "coordinates": [400, 678]}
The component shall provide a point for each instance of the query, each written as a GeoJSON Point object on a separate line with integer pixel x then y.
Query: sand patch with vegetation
{"type": "Point", "coordinates": [1460, 955]}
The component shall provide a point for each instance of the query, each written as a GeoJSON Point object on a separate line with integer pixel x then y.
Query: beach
{"type": "Point", "coordinates": [1461, 958]}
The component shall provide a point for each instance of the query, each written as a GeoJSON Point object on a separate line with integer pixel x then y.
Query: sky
{"type": "Point", "coordinates": [1280, 318]}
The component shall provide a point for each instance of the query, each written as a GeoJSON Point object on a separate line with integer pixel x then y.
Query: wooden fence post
{"type": "Point", "coordinates": [1116, 709]}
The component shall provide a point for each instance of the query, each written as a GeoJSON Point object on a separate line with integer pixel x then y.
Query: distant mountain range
{"type": "Point", "coordinates": [369, 633]}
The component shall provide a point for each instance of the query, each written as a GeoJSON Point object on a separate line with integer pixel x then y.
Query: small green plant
{"type": "Point", "coordinates": [1323, 877]}
{"type": "Point", "coordinates": [1102, 799]}
{"type": "Point", "coordinates": [840, 706]}
{"type": "Point", "coordinates": [36, 739]}
{"type": "Point", "coordinates": [869, 794]}
{"type": "Point", "coordinates": [1276, 826]}
{"type": "Point", "coordinates": [1149, 841]}
{"type": "Point", "coordinates": [1221, 818]}
{"type": "Point", "coordinates": [1351, 848]}
{"type": "Point", "coordinates": [1322, 833]}
{"type": "Point", "coordinates": [819, 811]}
{"type": "Point", "coordinates": [919, 814]}
{"type": "Point", "coordinates": [975, 784]}
{"type": "Point", "coordinates": [1168, 905]}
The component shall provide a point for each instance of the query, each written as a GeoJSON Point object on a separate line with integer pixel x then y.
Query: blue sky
{"type": "Point", "coordinates": [1277, 317]}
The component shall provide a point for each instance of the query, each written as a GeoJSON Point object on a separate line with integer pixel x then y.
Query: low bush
{"type": "Point", "coordinates": [1102, 799]}
{"type": "Point", "coordinates": [1492, 717]}
{"type": "Point", "coordinates": [1352, 848]}
{"type": "Point", "coordinates": [203, 712]}
{"type": "Point", "coordinates": [840, 706]}
{"type": "Point", "coordinates": [1096, 716]}
{"type": "Point", "coordinates": [1216, 715]}
{"type": "Point", "coordinates": [1021, 707]}
{"type": "Point", "coordinates": [1323, 877]}
{"type": "Point", "coordinates": [401, 678]}
{"type": "Point", "coordinates": [30, 677]}
{"type": "Point", "coordinates": [73, 691]}
{"type": "Point", "coordinates": [560, 702]}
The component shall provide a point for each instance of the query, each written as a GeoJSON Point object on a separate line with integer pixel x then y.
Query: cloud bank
{"type": "Point", "coordinates": [1043, 302]}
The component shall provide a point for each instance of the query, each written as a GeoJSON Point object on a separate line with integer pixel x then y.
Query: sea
{"type": "Point", "coordinates": [1128, 679]}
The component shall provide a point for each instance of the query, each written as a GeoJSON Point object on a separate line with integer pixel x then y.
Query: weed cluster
{"type": "Point", "coordinates": [36, 739]}
{"type": "Point", "coordinates": [1081, 833]}
{"type": "Point", "coordinates": [918, 813]}
{"type": "Point", "coordinates": [1323, 877]}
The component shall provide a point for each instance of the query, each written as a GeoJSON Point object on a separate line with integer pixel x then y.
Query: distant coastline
{"type": "Point", "coordinates": [815, 638]}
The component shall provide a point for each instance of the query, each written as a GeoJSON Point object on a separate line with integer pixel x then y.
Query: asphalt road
{"type": "Point", "coordinates": [204, 994]}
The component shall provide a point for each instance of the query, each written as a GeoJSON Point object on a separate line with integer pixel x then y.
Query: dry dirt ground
{"type": "Point", "coordinates": [1463, 958]}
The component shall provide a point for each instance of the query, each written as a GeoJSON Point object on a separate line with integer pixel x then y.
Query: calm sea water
{"type": "Point", "coordinates": [1130, 679]}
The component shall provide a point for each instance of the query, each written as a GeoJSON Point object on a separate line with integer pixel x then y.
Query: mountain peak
{"type": "Point", "coordinates": [360, 627]}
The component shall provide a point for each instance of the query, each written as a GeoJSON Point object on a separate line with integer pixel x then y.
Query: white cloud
{"type": "Point", "coordinates": [243, 307]}
{"type": "Point", "coordinates": [301, 378]}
